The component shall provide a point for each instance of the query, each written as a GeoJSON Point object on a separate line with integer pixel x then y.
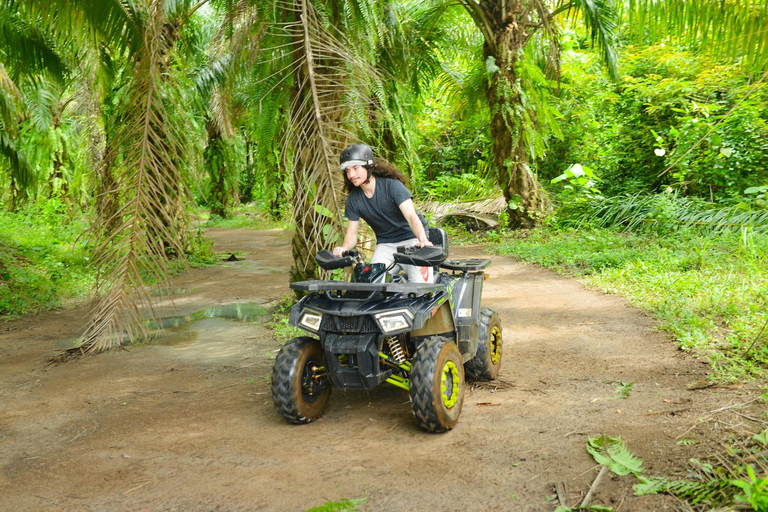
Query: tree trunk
{"type": "Point", "coordinates": [527, 201]}
{"type": "Point", "coordinates": [317, 210]}
{"type": "Point", "coordinates": [216, 165]}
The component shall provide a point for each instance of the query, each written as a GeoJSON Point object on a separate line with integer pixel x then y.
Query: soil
{"type": "Point", "coordinates": [186, 422]}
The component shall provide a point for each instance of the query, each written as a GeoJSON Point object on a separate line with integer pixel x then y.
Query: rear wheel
{"type": "Point", "coordinates": [487, 362]}
{"type": "Point", "coordinates": [437, 385]}
{"type": "Point", "coordinates": [300, 385]}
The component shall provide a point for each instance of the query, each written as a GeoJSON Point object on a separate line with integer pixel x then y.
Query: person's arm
{"type": "Point", "coordinates": [350, 238]}
{"type": "Point", "coordinates": [409, 212]}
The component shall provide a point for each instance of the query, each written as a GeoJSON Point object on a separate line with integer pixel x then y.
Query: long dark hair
{"type": "Point", "coordinates": [380, 169]}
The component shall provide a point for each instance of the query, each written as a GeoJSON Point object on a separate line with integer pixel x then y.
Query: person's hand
{"type": "Point", "coordinates": [425, 243]}
{"type": "Point", "coordinates": [338, 251]}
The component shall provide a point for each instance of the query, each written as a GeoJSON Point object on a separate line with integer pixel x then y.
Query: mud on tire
{"type": "Point", "coordinates": [437, 385]}
{"type": "Point", "coordinates": [487, 362]}
{"type": "Point", "coordinates": [299, 388]}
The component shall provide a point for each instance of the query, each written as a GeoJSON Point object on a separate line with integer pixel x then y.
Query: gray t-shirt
{"type": "Point", "coordinates": [382, 211]}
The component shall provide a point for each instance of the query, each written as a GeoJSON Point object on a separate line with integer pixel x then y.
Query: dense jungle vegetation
{"type": "Point", "coordinates": [628, 141]}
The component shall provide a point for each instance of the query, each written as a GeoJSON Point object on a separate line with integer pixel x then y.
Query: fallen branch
{"type": "Point", "coordinates": [598, 478]}
{"type": "Point", "coordinates": [562, 494]}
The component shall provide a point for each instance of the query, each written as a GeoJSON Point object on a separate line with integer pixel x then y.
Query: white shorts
{"type": "Point", "coordinates": [385, 253]}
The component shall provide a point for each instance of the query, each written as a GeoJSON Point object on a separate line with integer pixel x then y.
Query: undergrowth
{"type": "Point", "coordinates": [43, 260]}
{"type": "Point", "coordinates": [709, 290]}
{"type": "Point", "coordinates": [737, 481]}
{"type": "Point", "coordinates": [244, 216]}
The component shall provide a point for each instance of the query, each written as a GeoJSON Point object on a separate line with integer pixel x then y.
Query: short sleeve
{"type": "Point", "coordinates": [398, 192]}
{"type": "Point", "coordinates": [350, 212]}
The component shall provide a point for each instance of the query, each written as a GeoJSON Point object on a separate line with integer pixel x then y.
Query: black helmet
{"type": "Point", "coordinates": [356, 154]}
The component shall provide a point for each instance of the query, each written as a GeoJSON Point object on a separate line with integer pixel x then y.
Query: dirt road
{"type": "Point", "coordinates": [186, 423]}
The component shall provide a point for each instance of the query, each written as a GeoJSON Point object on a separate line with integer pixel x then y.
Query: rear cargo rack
{"type": "Point", "coordinates": [467, 265]}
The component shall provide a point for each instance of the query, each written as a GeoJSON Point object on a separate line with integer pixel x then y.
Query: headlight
{"type": "Point", "coordinates": [311, 320]}
{"type": "Point", "coordinates": [396, 320]}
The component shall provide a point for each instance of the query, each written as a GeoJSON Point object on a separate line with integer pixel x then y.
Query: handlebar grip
{"type": "Point", "coordinates": [352, 253]}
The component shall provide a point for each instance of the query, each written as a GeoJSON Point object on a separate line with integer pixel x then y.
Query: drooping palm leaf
{"type": "Point", "coordinates": [148, 225]}
{"type": "Point", "coordinates": [732, 28]}
{"type": "Point", "coordinates": [329, 102]}
{"type": "Point", "coordinates": [600, 19]}
{"type": "Point", "coordinates": [633, 212]}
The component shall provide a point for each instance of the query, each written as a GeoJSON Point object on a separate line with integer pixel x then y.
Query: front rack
{"type": "Point", "coordinates": [320, 286]}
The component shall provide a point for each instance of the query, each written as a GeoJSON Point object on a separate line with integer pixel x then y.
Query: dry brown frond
{"type": "Point", "coordinates": [486, 211]}
{"type": "Point", "coordinates": [148, 221]}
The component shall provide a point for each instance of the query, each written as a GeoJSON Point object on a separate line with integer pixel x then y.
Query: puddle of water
{"type": "Point", "coordinates": [243, 312]}
{"type": "Point", "coordinates": [179, 331]}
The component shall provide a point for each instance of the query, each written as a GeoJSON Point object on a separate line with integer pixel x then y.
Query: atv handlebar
{"type": "Point", "coordinates": [328, 261]}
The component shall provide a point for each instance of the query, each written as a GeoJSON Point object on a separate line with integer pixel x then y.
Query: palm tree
{"type": "Point", "coordinates": [25, 52]}
{"type": "Point", "coordinates": [509, 27]}
{"type": "Point", "coordinates": [147, 148]}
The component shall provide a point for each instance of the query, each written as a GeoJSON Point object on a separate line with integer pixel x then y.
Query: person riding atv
{"type": "Point", "coordinates": [422, 335]}
{"type": "Point", "coordinates": [377, 193]}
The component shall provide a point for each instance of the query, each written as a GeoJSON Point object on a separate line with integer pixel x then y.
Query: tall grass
{"type": "Point", "coordinates": [702, 275]}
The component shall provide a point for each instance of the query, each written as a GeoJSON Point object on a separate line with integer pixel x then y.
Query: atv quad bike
{"type": "Point", "coordinates": [421, 337]}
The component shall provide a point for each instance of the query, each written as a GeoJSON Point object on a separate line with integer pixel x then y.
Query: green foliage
{"type": "Point", "coordinates": [754, 489]}
{"type": "Point", "coordinates": [623, 389]}
{"type": "Point", "coordinates": [662, 213]}
{"type": "Point", "coordinates": [43, 259]}
{"type": "Point", "coordinates": [282, 330]}
{"type": "Point", "coordinates": [579, 184]}
{"type": "Point", "coordinates": [611, 452]}
{"type": "Point", "coordinates": [714, 486]}
{"type": "Point", "coordinates": [459, 187]}
{"type": "Point", "coordinates": [676, 119]}
{"type": "Point", "coordinates": [253, 215]}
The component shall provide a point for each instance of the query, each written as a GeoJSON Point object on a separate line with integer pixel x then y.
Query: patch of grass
{"type": "Point", "coordinates": [43, 260]}
{"type": "Point", "coordinates": [338, 506]}
{"type": "Point", "coordinates": [709, 290]}
{"type": "Point", "coordinates": [281, 329]}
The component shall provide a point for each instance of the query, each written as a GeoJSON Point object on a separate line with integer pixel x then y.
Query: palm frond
{"type": "Point", "coordinates": [27, 50]}
{"type": "Point", "coordinates": [639, 211]}
{"type": "Point", "coordinates": [149, 221]}
{"type": "Point", "coordinates": [730, 28]}
{"type": "Point", "coordinates": [330, 102]}
{"type": "Point", "coordinates": [486, 211]}
{"type": "Point", "coordinates": [601, 20]}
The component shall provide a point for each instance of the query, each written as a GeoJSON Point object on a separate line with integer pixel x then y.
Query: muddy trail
{"type": "Point", "coordinates": [186, 422]}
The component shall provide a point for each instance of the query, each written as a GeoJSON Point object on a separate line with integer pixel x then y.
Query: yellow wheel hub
{"type": "Point", "coordinates": [496, 345]}
{"type": "Point", "coordinates": [450, 384]}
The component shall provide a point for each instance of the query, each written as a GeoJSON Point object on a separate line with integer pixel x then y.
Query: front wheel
{"type": "Point", "coordinates": [437, 385]}
{"type": "Point", "coordinates": [300, 385]}
{"type": "Point", "coordinates": [487, 361]}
